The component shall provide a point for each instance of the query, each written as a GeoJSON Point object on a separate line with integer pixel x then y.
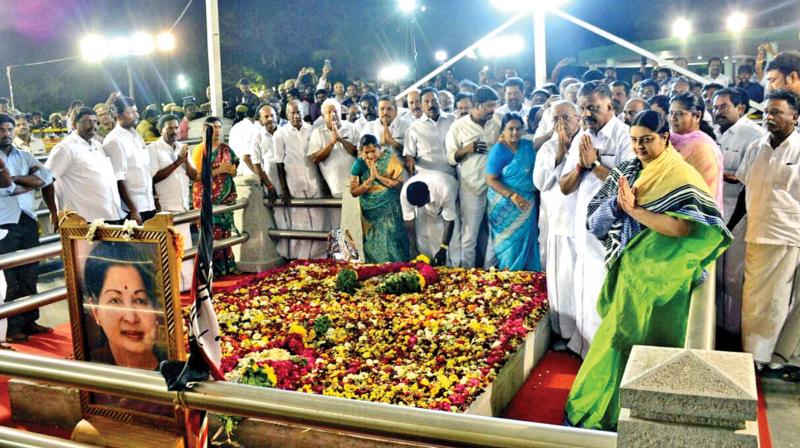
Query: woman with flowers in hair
{"type": "Point", "coordinates": [377, 177]}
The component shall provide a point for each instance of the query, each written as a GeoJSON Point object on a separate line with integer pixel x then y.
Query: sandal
{"type": "Point", "coordinates": [791, 374]}
{"type": "Point", "coordinates": [4, 346]}
{"type": "Point", "coordinates": [17, 337]}
{"type": "Point", "coordinates": [38, 329]}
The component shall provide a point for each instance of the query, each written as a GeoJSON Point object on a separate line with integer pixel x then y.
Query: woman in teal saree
{"type": "Point", "coordinates": [377, 177]}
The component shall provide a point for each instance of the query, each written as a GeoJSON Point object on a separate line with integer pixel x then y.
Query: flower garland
{"type": "Point", "coordinates": [436, 349]}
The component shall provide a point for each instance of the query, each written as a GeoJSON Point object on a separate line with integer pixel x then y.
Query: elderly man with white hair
{"type": "Point", "coordinates": [331, 147]}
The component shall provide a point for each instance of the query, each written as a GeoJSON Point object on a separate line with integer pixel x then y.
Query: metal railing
{"type": "Point", "coordinates": [302, 202]}
{"type": "Point", "coordinates": [701, 326]}
{"type": "Point", "coordinates": [306, 202]}
{"type": "Point", "coordinates": [30, 303]}
{"type": "Point", "coordinates": [251, 401]}
{"type": "Point", "coordinates": [52, 246]}
{"type": "Point", "coordinates": [17, 438]}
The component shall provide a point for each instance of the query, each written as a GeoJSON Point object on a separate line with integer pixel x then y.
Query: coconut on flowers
{"type": "Point", "coordinates": [400, 333]}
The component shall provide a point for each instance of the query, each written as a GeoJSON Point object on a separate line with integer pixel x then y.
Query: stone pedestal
{"type": "Point", "coordinates": [679, 397]}
{"type": "Point", "coordinates": [258, 252]}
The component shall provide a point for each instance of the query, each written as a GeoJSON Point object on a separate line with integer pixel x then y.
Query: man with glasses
{"type": "Point", "coordinates": [603, 144]}
{"type": "Point", "coordinates": [770, 173]}
{"type": "Point", "coordinates": [556, 229]}
{"type": "Point", "coordinates": [736, 133]}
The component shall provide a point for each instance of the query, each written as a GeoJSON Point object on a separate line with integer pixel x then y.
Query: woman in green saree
{"type": "Point", "coordinates": [661, 227]}
{"type": "Point", "coordinates": [223, 191]}
{"type": "Point", "coordinates": [377, 177]}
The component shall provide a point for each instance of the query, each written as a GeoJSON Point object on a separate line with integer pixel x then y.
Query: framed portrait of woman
{"type": "Point", "coordinates": [122, 286]}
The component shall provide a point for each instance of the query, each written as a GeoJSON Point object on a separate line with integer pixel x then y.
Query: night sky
{"type": "Point", "coordinates": [275, 38]}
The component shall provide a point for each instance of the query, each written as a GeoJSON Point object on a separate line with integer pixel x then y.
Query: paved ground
{"type": "Point", "coordinates": [783, 412]}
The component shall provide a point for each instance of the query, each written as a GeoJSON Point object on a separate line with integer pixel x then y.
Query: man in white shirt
{"type": "Point", "coordinates": [468, 142]}
{"type": "Point", "coordinates": [736, 133]}
{"type": "Point", "coordinates": [24, 139]}
{"type": "Point", "coordinates": [715, 74]}
{"type": "Point", "coordinates": [18, 228]}
{"type": "Point", "coordinates": [514, 94]}
{"type": "Point", "coordinates": [85, 181]}
{"type": "Point", "coordinates": [240, 140]}
{"type": "Point", "coordinates": [266, 166]}
{"type": "Point", "coordinates": [173, 174]}
{"type": "Point", "coordinates": [770, 173]}
{"type": "Point", "coordinates": [603, 144]}
{"type": "Point", "coordinates": [425, 139]}
{"type": "Point", "coordinates": [131, 162]}
{"type": "Point", "coordinates": [556, 226]}
{"type": "Point", "coordinates": [299, 178]}
{"type": "Point", "coordinates": [414, 100]}
{"type": "Point", "coordinates": [431, 218]}
{"type": "Point", "coordinates": [388, 129]}
{"type": "Point", "coordinates": [331, 147]}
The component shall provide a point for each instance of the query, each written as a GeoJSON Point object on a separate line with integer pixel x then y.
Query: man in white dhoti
{"type": "Point", "coordinates": [557, 212]}
{"type": "Point", "coordinates": [333, 147]}
{"type": "Point", "coordinates": [174, 174]}
{"type": "Point", "coordinates": [595, 151]}
{"type": "Point", "coordinates": [736, 133]}
{"type": "Point", "coordinates": [299, 178]}
{"type": "Point", "coordinates": [431, 217]}
{"type": "Point", "coordinates": [468, 142]}
{"type": "Point", "coordinates": [266, 167]}
{"type": "Point", "coordinates": [770, 173]}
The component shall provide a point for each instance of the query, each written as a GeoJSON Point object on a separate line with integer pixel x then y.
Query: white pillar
{"type": "Point", "coordinates": [214, 64]}
{"type": "Point", "coordinates": [539, 47]}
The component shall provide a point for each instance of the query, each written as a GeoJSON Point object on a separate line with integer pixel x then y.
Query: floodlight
{"type": "Point", "coordinates": [737, 22]}
{"type": "Point", "coordinates": [393, 72]}
{"type": "Point", "coordinates": [93, 48]}
{"type": "Point", "coordinates": [166, 41]}
{"type": "Point", "coordinates": [120, 46]}
{"type": "Point", "coordinates": [502, 46]}
{"type": "Point", "coordinates": [440, 56]}
{"type": "Point", "coordinates": [183, 83]}
{"type": "Point", "coordinates": [407, 6]}
{"type": "Point", "coordinates": [142, 43]}
{"type": "Point", "coordinates": [681, 28]}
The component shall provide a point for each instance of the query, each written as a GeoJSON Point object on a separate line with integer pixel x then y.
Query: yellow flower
{"type": "Point", "coordinates": [298, 329]}
{"type": "Point", "coordinates": [421, 281]}
{"type": "Point", "coordinates": [270, 374]}
{"type": "Point", "coordinates": [423, 258]}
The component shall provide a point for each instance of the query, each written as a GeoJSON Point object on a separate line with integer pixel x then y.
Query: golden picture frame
{"type": "Point", "coordinates": [124, 305]}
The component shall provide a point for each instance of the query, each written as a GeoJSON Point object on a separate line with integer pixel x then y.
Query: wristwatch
{"type": "Point", "coordinates": [595, 164]}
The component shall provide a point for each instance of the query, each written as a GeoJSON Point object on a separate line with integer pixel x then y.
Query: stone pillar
{"type": "Point", "coordinates": [258, 253]}
{"type": "Point", "coordinates": [673, 397]}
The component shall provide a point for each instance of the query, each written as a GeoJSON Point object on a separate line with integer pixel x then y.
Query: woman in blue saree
{"type": "Point", "coordinates": [513, 202]}
{"type": "Point", "coordinates": [376, 180]}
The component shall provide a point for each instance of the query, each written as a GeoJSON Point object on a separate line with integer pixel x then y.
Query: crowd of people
{"type": "Point", "coordinates": [622, 192]}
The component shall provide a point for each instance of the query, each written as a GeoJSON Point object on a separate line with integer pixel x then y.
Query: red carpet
{"type": "Point", "coordinates": [543, 396]}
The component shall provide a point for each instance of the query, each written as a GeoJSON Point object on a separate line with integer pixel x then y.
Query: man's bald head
{"type": "Point", "coordinates": [633, 107]}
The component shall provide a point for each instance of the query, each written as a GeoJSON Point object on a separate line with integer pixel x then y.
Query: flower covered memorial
{"type": "Point", "coordinates": [400, 333]}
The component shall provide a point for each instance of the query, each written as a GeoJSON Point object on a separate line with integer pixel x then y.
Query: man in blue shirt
{"type": "Point", "coordinates": [754, 90]}
{"type": "Point", "coordinates": [18, 225]}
